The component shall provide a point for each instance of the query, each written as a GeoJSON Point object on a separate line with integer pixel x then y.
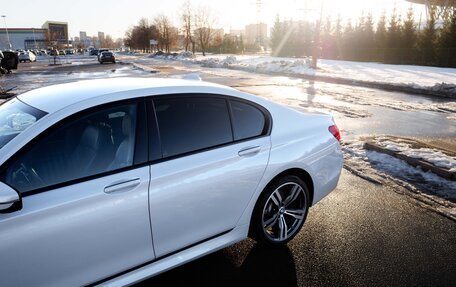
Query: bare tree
{"type": "Point", "coordinates": [138, 37]}
{"type": "Point", "coordinates": [167, 34]}
{"type": "Point", "coordinates": [204, 23]}
{"type": "Point", "coordinates": [187, 17]}
{"type": "Point", "coordinates": [108, 42]}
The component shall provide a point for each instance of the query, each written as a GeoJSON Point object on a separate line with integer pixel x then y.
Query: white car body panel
{"type": "Point", "coordinates": [79, 234]}
{"type": "Point", "coordinates": [178, 259]}
{"type": "Point", "coordinates": [28, 56]}
{"type": "Point", "coordinates": [177, 197]}
{"type": "Point", "coordinates": [201, 195]}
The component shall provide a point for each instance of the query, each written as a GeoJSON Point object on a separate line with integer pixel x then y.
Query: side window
{"type": "Point", "coordinates": [188, 124]}
{"type": "Point", "coordinates": [82, 146]}
{"type": "Point", "coordinates": [248, 121]}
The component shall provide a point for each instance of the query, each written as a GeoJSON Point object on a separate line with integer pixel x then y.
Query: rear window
{"type": "Point", "coordinates": [248, 120]}
{"type": "Point", "coordinates": [189, 124]}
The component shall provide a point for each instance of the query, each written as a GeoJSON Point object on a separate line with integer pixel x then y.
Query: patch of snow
{"type": "Point", "coordinates": [392, 147]}
{"type": "Point", "coordinates": [432, 156]}
{"type": "Point", "coordinates": [182, 56]}
{"type": "Point", "coordinates": [422, 77]}
{"type": "Point", "coordinates": [356, 155]}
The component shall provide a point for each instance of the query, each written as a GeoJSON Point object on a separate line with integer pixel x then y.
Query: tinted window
{"type": "Point", "coordinates": [88, 145]}
{"type": "Point", "coordinates": [248, 121]}
{"type": "Point", "coordinates": [189, 124]}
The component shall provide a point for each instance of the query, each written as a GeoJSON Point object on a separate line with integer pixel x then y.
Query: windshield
{"type": "Point", "coordinates": [16, 117]}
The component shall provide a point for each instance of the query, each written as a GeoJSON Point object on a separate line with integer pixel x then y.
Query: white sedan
{"type": "Point", "coordinates": [109, 182]}
{"type": "Point", "coordinates": [27, 56]}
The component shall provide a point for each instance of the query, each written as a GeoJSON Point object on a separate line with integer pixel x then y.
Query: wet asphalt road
{"type": "Point", "coordinates": [360, 235]}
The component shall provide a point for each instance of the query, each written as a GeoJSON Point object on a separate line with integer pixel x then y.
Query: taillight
{"type": "Point", "coordinates": [335, 131]}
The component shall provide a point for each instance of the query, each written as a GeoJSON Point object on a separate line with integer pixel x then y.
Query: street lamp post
{"type": "Point", "coordinates": [34, 38]}
{"type": "Point", "coordinates": [7, 34]}
{"type": "Point", "coordinates": [316, 45]}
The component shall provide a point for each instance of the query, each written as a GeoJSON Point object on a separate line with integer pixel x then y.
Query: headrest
{"type": "Point", "coordinates": [90, 137]}
{"type": "Point", "coordinates": [126, 125]}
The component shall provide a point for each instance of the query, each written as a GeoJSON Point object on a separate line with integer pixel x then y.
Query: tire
{"type": "Point", "coordinates": [280, 211]}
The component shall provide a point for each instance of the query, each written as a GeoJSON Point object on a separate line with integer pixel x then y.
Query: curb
{"type": "Point", "coordinates": [426, 166]}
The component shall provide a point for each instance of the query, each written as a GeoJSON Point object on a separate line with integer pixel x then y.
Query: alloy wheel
{"type": "Point", "coordinates": [284, 212]}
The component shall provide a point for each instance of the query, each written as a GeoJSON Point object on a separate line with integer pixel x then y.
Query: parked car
{"type": "Point", "coordinates": [62, 53]}
{"type": "Point", "coordinates": [8, 61]}
{"type": "Point", "coordinates": [115, 180]}
{"type": "Point", "coordinates": [27, 56]}
{"type": "Point", "coordinates": [101, 51]}
{"type": "Point", "coordinates": [107, 57]}
{"type": "Point", "coordinates": [94, 52]}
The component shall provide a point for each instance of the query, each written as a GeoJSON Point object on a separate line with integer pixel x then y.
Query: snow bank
{"type": "Point", "coordinates": [364, 160]}
{"type": "Point", "coordinates": [438, 80]}
{"type": "Point", "coordinates": [172, 56]}
{"type": "Point", "coordinates": [266, 65]}
{"type": "Point", "coordinates": [434, 78]}
{"type": "Point", "coordinates": [432, 156]}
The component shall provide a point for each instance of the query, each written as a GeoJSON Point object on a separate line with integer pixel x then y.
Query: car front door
{"type": "Point", "coordinates": [84, 189]}
{"type": "Point", "coordinates": [208, 174]}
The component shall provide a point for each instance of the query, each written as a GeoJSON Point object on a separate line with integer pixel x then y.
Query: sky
{"type": "Point", "coordinates": [114, 17]}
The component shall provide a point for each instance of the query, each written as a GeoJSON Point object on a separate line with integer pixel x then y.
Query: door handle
{"type": "Point", "coordinates": [122, 186]}
{"type": "Point", "coordinates": [252, 150]}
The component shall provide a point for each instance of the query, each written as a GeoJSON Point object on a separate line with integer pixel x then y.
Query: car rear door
{"type": "Point", "coordinates": [206, 176]}
{"type": "Point", "coordinates": [84, 188]}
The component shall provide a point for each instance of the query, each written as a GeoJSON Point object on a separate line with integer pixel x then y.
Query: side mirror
{"type": "Point", "coordinates": [8, 197]}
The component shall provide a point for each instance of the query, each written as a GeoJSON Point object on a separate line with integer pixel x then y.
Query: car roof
{"type": "Point", "coordinates": [55, 97]}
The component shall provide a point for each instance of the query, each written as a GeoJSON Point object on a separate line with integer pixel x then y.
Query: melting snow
{"type": "Point", "coordinates": [364, 160]}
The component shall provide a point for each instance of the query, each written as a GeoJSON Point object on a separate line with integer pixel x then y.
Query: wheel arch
{"type": "Point", "coordinates": [299, 172]}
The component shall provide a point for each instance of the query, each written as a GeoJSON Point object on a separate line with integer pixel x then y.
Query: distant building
{"type": "Point", "coordinates": [237, 33]}
{"type": "Point", "coordinates": [84, 40]}
{"type": "Point", "coordinates": [57, 32]}
{"type": "Point", "coordinates": [50, 34]}
{"type": "Point", "coordinates": [101, 36]}
{"type": "Point", "coordinates": [23, 38]}
{"type": "Point", "coordinates": [82, 35]}
{"type": "Point", "coordinates": [256, 34]}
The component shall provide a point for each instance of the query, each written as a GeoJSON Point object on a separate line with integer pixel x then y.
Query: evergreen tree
{"type": "Point", "coordinates": [447, 43]}
{"type": "Point", "coordinates": [338, 36]}
{"type": "Point", "coordinates": [348, 41]}
{"type": "Point", "coordinates": [369, 31]}
{"type": "Point", "coordinates": [307, 33]}
{"type": "Point", "coordinates": [380, 38]}
{"type": "Point", "coordinates": [393, 37]}
{"type": "Point", "coordinates": [277, 34]}
{"type": "Point", "coordinates": [409, 38]}
{"type": "Point", "coordinates": [359, 48]}
{"type": "Point", "coordinates": [328, 43]}
{"type": "Point", "coordinates": [427, 42]}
